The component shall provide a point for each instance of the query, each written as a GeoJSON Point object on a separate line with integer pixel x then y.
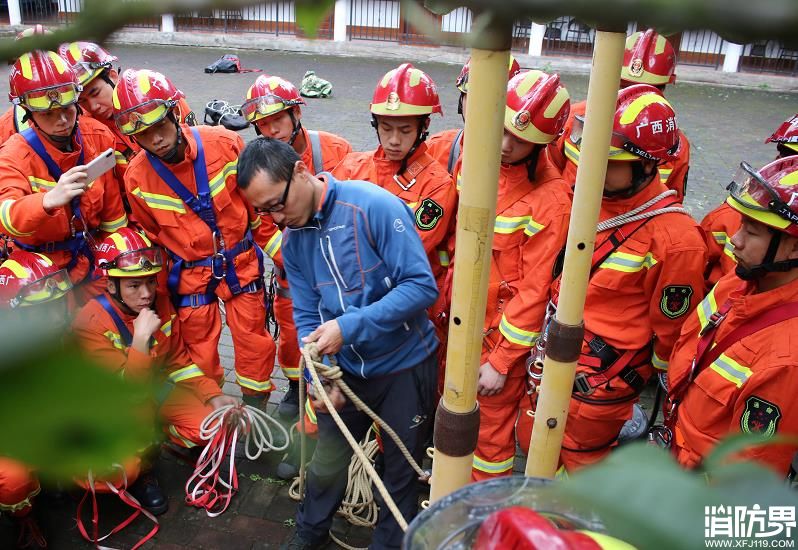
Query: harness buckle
{"type": "Point", "coordinates": [194, 300]}
{"type": "Point", "coordinates": [712, 323]}
{"type": "Point", "coordinates": [581, 385]}
{"type": "Point", "coordinates": [218, 266]}
{"type": "Point", "coordinates": [407, 187]}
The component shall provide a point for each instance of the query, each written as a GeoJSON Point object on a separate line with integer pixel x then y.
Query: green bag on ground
{"type": "Point", "coordinates": [313, 86]}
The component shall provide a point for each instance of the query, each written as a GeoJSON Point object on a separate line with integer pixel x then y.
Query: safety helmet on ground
{"type": "Point", "coordinates": [644, 126]}
{"type": "Point", "coordinates": [42, 80]}
{"type": "Point", "coordinates": [143, 98]}
{"type": "Point", "coordinates": [269, 95]}
{"type": "Point", "coordinates": [28, 279]}
{"type": "Point", "coordinates": [87, 59]}
{"type": "Point", "coordinates": [405, 91]}
{"type": "Point", "coordinates": [36, 30]}
{"type": "Point", "coordinates": [648, 59]}
{"type": "Point", "coordinates": [461, 83]}
{"type": "Point", "coordinates": [128, 253]}
{"type": "Point", "coordinates": [786, 136]}
{"type": "Point", "coordinates": [537, 107]}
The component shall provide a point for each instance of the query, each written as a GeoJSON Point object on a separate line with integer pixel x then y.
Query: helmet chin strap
{"type": "Point", "coordinates": [297, 127]}
{"type": "Point", "coordinates": [768, 264]}
{"type": "Point", "coordinates": [171, 156]}
{"type": "Point", "coordinates": [421, 136]}
{"type": "Point", "coordinates": [639, 181]}
{"type": "Point", "coordinates": [460, 105]}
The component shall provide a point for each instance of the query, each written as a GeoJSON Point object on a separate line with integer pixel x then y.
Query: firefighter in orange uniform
{"type": "Point", "coordinates": [401, 107]}
{"type": "Point", "coordinates": [646, 276]}
{"type": "Point", "coordinates": [46, 204]}
{"type": "Point", "coordinates": [31, 285]}
{"type": "Point", "coordinates": [272, 105]}
{"type": "Point", "coordinates": [183, 193]}
{"type": "Point", "coordinates": [723, 222]}
{"type": "Point", "coordinates": [734, 367]}
{"type": "Point", "coordinates": [531, 225]}
{"type": "Point", "coordinates": [93, 66]}
{"type": "Point", "coordinates": [447, 146]}
{"type": "Point", "coordinates": [648, 59]}
{"type": "Point", "coordinates": [132, 329]}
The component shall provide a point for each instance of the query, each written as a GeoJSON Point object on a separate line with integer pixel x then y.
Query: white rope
{"type": "Point", "coordinates": [634, 215]}
{"type": "Point", "coordinates": [222, 429]}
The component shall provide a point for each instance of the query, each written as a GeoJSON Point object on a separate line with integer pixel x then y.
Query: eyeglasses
{"type": "Point", "coordinates": [143, 260]}
{"type": "Point", "coordinates": [276, 207]}
{"type": "Point", "coordinates": [141, 116]}
{"type": "Point", "coordinates": [45, 99]}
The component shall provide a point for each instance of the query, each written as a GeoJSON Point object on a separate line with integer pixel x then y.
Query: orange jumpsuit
{"type": "Point", "coordinates": [426, 187]}
{"type": "Point", "coordinates": [719, 227]}
{"type": "Point", "coordinates": [185, 406]}
{"type": "Point", "coordinates": [168, 221]}
{"type": "Point", "coordinates": [439, 147]}
{"type": "Point", "coordinates": [673, 173]}
{"type": "Point", "coordinates": [749, 388]}
{"type": "Point", "coordinates": [18, 487]}
{"type": "Point", "coordinates": [530, 230]}
{"type": "Point", "coordinates": [24, 179]}
{"type": "Point", "coordinates": [639, 295]}
{"type": "Point", "coordinates": [333, 150]}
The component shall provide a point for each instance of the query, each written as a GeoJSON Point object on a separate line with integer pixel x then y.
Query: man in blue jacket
{"type": "Point", "coordinates": [361, 283]}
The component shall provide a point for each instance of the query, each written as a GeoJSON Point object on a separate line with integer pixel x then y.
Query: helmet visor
{"type": "Point", "coordinates": [86, 71]}
{"type": "Point", "coordinates": [751, 190]}
{"type": "Point", "coordinates": [144, 261]}
{"type": "Point", "coordinates": [259, 107]}
{"type": "Point", "coordinates": [45, 99]}
{"type": "Point", "coordinates": [576, 130]}
{"type": "Point", "coordinates": [49, 288]}
{"type": "Point", "coordinates": [141, 116]}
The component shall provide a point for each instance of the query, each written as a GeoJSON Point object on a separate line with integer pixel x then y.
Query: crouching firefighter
{"type": "Point", "coordinates": [733, 369]}
{"type": "Point", "coordinates": [46, 203]}
{"type": "Point", "coordinates": [183, 193]}
{"type": "Point", "coordinates": [646, 276]}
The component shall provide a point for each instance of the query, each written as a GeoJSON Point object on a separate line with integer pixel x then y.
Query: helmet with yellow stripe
{"type": "Point", "coordinates": [87, 59]}
{"type": "Point", "coordinates": [405, 91]}
{"type": "Point", "coordinates": [513, 68]}
{"type": "Point", "coordinates": [128, 253]}
{"type": "Point", "coordinates": [786, 137]}
{"type": "Point", "coordinates": [268, 96]}
{"type": "Point", "coordinates": [648, 59]}
{"type": "Point", "coordinates": [537, 107]}
{"type": "Point", "coordinates": [41, 81]}
{"type": "Point", "coordinates": [644, 126]}
{"type": "Point", "coordinates": [28, 279]}
{"type": "Point", "coordinates": [143, 98]}
{"type": "Point", "coordinates": [769, 195]}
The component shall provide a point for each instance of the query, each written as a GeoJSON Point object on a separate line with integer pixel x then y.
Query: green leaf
{"type": "Point", "coordinates": [735, 443]}
{"type": "Point", "coordinates": [64, 415]}
{"type": "Point", "coordinates": [310, 14]}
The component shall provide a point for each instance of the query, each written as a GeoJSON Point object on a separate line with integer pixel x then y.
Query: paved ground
{"type": "Point", "coordinates": [725, 126]}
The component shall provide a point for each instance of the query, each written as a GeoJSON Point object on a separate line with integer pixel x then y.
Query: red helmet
{"type": "Point", "coordinates": [87, 59]}
{"type": "Point", "coordinates": [537, 107]}
{"type": "Point", "coordinates": [269, 95]}
{"type": "Point", "coordinates": [128, 253]}
{"type": "Point", "coordinates": [28, 279]}
{"type": "Point", "coordinates": [35, 30]}
{"type": "Point", "coordinates": [462, 81]}
{"type": "Point", "coordinates": [644, 126]}
{"type": "Point", "coordinates": [42, 80]}
{"type": "Point", "coordinates": [770, 195]}
{"type": "Point", "coordinates": [405, 91]}
{"type": "Point", "coordinates": [786, 134]}
{"type": "Point", "coordinates": [648, 59]}
{"type": "Point", "coordinates": [142, 98]}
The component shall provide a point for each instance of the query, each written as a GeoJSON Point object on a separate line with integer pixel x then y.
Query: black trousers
{"type": "Point", "coordinates": [405, 401]}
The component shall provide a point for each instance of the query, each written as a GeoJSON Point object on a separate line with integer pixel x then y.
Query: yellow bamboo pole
{"type": "Point", "coordinates": [457, 418]}
{"type": "Point", "coordinates": [565, 333]}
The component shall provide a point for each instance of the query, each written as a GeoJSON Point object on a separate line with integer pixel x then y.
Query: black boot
{"type": "Point", "coordinates": [289, 407]}
{"type": "Point", "coordinates": [288, 469]}
{"type": "Point", "coordinates": [258, 401]}
{"type": "Point", "coordinates": [148, 492]}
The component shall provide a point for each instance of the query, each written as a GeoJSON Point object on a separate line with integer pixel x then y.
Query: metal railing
{"type": "Point", "coordinates": [567, 36]}
{"type": "Point", "coordinates": [45, 12]}
{"type": "Point", "coordinates": [522, 31]}
{"type": "Point", "coordinates": [276, 18]}
{"type": "Point", "coordinates": [769, 57]}
{"type": "Point", "coordinates": [702, 47]}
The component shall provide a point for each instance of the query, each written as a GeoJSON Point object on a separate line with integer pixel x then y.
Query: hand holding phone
{"type": "Point", "coordinates": [99, 165]}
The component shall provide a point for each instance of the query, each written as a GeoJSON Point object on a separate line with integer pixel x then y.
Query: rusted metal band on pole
{"type": "Point", "coordinates": [456, 434]}
{"type": "Point", "coordinates": [564, 342]}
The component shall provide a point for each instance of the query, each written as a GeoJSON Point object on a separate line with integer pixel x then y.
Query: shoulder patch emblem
{"type": "Point", "coordinates": [428, 214]}
{"type": "Point", "coordinates": [675, 300]}
{"type": "Point", "coordinates": [760, 417]}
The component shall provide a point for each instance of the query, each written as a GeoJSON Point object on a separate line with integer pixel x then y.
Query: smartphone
{"type": "Point", "coordinates": [100, 164]}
